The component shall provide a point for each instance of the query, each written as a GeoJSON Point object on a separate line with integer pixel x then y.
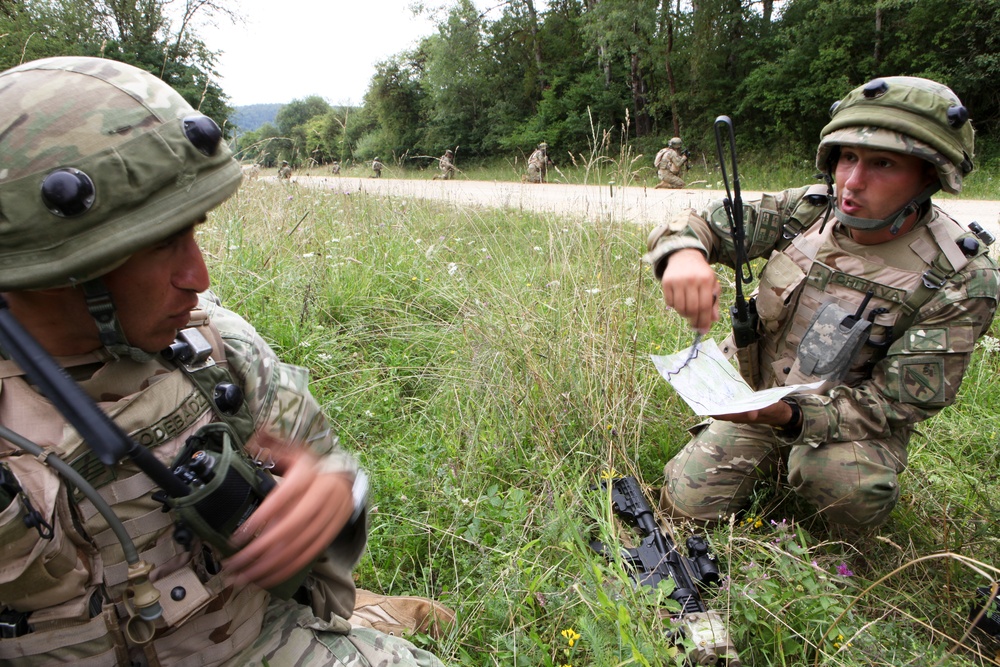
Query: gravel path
{"type": "Point", "coordinates": [642, 205]}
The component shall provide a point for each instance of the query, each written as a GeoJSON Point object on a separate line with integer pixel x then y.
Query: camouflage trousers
{"type": "Point", "coordinates": [669, 179]}
{"type": "Point", "coordinates": [850, 483]}
{"type": "Point", "coordinates": [292, 635]}
{"type": "Point", "coordinates": [536, 174]}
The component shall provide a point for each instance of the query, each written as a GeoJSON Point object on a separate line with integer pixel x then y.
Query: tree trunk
{"type": "Point", "coordinates": [878, 38]}
{"type": "Point", "coordinates": [643, 124]}
{"type": "Point", "coordinates": [671, 80]}
{"type": "Point", "coordinates": [535, 42]}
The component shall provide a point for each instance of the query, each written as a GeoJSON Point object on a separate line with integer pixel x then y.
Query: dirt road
{"type": "Point", "coordinates": [642, 205]}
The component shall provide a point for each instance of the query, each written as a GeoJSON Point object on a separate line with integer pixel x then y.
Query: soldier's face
{"type": "Point", "coordinates": [156, 289]}
{"type": "Point", "coordinates": [876, 183]}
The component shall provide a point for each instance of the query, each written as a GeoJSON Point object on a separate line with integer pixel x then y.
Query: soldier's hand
{"type": "Point", "coordinates": [691, 288]}
{"type": "Point", "coordinates": [296, 521]}
{"type": "Point", "coordinates": [776, 414]}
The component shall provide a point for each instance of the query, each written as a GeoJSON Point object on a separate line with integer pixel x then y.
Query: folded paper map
{"type": "Point", "coordinates": [712, 386]}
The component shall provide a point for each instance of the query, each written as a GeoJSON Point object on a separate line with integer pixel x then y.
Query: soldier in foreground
{"type": "Point", "coordinates": [868, 288]}
{"type": "Point", "coordinates": [669, 162]}
{"type": "Point", "coordinates": [335, 168]}
{"type": "Point", "coordinates": [446, 163]}
{"type": "Point", "coordinates": [377, 168]}
{"type": "Point", "coordinates": [285, 171]}
{"type": "Point", "coordinates": [104, 271]}
{"type": "Point", "coordinates": [538, 164]}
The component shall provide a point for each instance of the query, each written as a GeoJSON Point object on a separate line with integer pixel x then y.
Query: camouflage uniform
{"type": "Point", "coordinates": [335, 168]}
{"type": "Point", "coordinates": [447, 167]}
{"type": "Point", "coordinates": [285, 172]}
{"type": "Point", "coordinates": [934, 291]}
{"type": "Point", "coordinates": [668, 165]}
{"type": "Point", "coordinates": [538, 164]}
{"type": "Point", "coordinates": [377, 167]}
{"type": "Point", "coordinates": [65, 596]}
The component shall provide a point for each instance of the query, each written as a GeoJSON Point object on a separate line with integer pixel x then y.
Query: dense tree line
{"type": "Point", "coordinates": [498, 83]}
{"type": "Point", "coordinates": [151, 34]}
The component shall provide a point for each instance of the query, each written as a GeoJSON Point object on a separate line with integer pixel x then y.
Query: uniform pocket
{"type": "Point", "coordinates": [779, 282]}
{"type": "Point", "coordinates": [93, 643]}
{"type": "Point", "coordinates": [37, 571]}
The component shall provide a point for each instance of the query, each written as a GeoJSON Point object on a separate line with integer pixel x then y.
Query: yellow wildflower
{"type": "Point", "coordinates": [571, 635]}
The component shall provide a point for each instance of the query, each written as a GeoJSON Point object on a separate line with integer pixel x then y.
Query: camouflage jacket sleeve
{"type": "Point", "coordinates": [922, 371]}
{"type": "Point", "coordinates": [277, 393]}
{"type": "Point", "coordinates": [709, 231]}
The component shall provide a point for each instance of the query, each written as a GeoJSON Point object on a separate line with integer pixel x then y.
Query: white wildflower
{"type": "Point", "coordinates": [452, 268]}
{"type": "Point", "coordinates": [592, 291]}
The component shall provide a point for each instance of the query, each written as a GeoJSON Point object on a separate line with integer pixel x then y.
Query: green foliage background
{"type": "Point", "coordinates": [138, 32]}
{"type": "Point", "coordinates": [497, 82]}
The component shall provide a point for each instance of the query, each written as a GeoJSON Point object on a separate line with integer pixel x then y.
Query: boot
{"type": "Point", "coordinates": [402, 614]}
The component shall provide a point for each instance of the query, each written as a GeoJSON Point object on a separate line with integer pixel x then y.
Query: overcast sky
{"type": "Point", "coordinates": [290, 49]}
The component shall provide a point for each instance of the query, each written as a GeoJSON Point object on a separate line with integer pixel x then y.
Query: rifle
{"type": "Point", "coordinates": [742, 314]}
{"type": "Point", "coordinates": [657, 559]}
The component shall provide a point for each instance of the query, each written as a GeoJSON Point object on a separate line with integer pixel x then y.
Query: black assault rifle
{"type": "Point", "coordinates": [657, 559]}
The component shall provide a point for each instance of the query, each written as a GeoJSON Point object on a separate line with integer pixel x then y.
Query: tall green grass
{"type": "Point", "coordinates": [487, 367]}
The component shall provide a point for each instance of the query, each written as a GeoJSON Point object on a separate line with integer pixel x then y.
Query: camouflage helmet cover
{"type": "Point", "coordinates": [675, 142]}
{"type": "Point", "coordinates": [151, 164]}
{"type": "Point", "coordinates": [908, 115]}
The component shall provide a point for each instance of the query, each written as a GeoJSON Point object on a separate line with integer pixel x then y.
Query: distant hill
{"type": "Point", "coordinates": [250, 117]}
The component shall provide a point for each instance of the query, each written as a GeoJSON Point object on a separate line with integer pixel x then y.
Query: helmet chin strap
{"type": "Point", "coordinates": [895, 221]}
{"type": "Point", "coordinates": [102, 308]}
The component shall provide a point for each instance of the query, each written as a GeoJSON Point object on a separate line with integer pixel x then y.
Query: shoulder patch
{"type": "Point", "coordinates": [922, 380]}
{"type": "Point", "coordinates": [926, 340]}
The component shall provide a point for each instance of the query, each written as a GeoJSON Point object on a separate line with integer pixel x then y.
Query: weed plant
{"type": "Point", "coordinates": [487, 367]}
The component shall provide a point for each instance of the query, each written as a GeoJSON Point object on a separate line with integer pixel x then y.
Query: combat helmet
{"type": "Point", "coordinates": [907, 115]}
{"type": "Point", "coordinates": [675, 142]}
{"type": "Point", "coordinates": [100, 159]}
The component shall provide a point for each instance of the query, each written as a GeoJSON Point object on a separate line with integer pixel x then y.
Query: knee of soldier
{"type": "Point", "coordinates": [689, 493]}
{"type": "Point", "coordinates": [848, 492]}
{"type": "Point", "coordinates": [678, 508]}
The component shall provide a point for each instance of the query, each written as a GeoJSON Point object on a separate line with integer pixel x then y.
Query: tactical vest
{"type": "Point", "coordinates": [69, 588]}
{"type": "Point", "coordinates": [810, 269]}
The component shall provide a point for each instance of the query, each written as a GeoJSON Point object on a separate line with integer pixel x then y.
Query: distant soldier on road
{"type": "Point", "coordinates": [377, 167]}
{"type": "Point", "coordinates": [538, 164]}
{"type": "Point", "coordinates": [669, 162]}
{"type": "Point", "coordinates": [285, 172]}
{"type": "Point", "coordinates": [335, 168]}
{"type": "Point", "coordinates": [446, 163]}
{"type": "Point", "coordinates": [250, 171]}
